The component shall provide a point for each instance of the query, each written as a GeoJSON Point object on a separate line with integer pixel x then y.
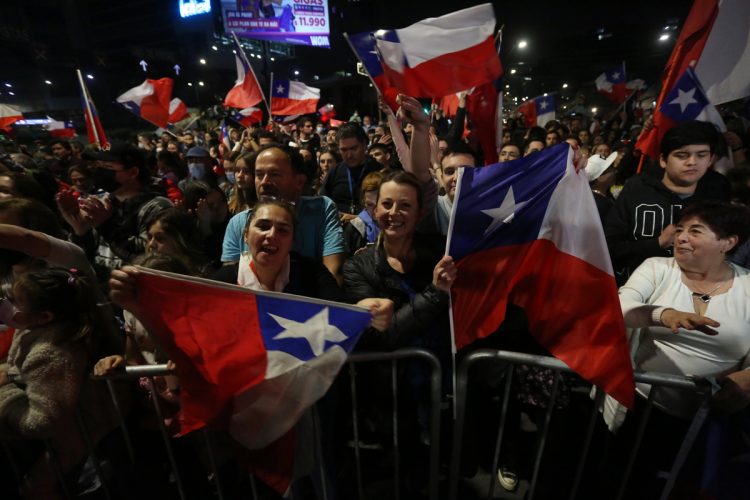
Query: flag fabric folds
{"type": "Point", "coordinates": [150, 101]}
{"type": "Point", "coordinates": [613, 85]}
{"type": "Point", "coordinates": [528, 232]}
{"type": "Point", "coordinates": [365, 47]}
{"type": "Point", "coordinates": [177, 110]}
{"type": "Point", "coordinates": [539, 110]}
{"type": "Point", "coordinates": [711, 27]}
{"type": "Point", "coordinates": [484, 109]}
{"type": "Point", "coordinates": [688, 101]}
{"type": "Point", "coordinates": [8, 116]}
{"type": "Point", "coordinates": [249, 362]}
{"type": "Point", "coordinates": [293, 98]}
{"type": "Point", "coordinates": [247, 116]}
{"type": "Point", "coordinates": [437, 56]}
{"type": "Point", "coordinates": [61, 129]}
{"type": "Point", "coordinates": [246, 92]}
{"type": "Point", "coordinates": [94, 128]}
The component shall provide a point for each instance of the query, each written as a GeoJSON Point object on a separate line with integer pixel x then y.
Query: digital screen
{"type": "Point", "coordinates": [190, 8]}
{"type": "Point", "coordinates": [302, 22]}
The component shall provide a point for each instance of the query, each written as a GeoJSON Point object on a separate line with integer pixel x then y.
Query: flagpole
{"type": "Point", "coordinates": [87, 105]}
{"type": "Point", "coordinates": [270, 100]}
{"type": "Point", "coordinates": [356, 54]}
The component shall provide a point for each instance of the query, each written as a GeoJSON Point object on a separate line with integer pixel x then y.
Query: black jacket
{"type": "Point", "coordinates": [642, 210]}
{"type": "Point", "coordinates": [336, 185]}
{"type": "Point", "coordinates": [421, 310]}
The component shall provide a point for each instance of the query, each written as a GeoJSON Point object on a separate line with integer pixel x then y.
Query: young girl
{"type": "Point", "coordinates": [45, 379]}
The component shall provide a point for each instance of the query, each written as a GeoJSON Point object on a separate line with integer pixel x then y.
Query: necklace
{"type": "Point", "coordinates": [706, 297]}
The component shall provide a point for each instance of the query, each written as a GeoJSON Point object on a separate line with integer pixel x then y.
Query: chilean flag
{"type": "Point", "coordinates": [150, 101]}
{"type": "Point", "coordinates": [440, 55]}
{"type": "Point", "coordinates": [293, 98]}
{"type": "Point", "coordinates": [528, 232]}
{"type": "Point", "coordinates": [246, 92]}
{"type": "Point", "coordinates": [539, 110]}
{"type": "Point", "coordinates": [177, 110]}
{"type": "Point", "coordinates": [365, 47]}
{"type": "Point", "coordinates": [94, 128]}
{"type": "Point", "coordinates": [714, 42]}
{"type": "Point", "coordinates": [8, 116]}
{"type": "Point", "coordinates": [613, 85]}
{"type": "Point", "coordinates": [249, 362]}
{"type": "Point", "coordinates": [62, 130]}
{"type": "Point", "coordinates": [247, 116]}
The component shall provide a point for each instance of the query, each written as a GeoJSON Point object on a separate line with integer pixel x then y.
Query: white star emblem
{"type": "Point", "coordinates": [685, 99]}
{"type": "Point", "coordinates": [505, 213]}
{"type": "Point", "coordinates": [543, 105]}
{"type": "Point", "coordinates": [615, 75]}
{"type": "Point", "coordinates": [315, 330]}
{"type": "Point", "coordinates": [280, 89]}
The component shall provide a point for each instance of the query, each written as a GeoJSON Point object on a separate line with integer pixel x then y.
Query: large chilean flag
{"type": "Point", "coordinates": [150, 101]}
{"type": "Point", "coordinates": [527, 232]}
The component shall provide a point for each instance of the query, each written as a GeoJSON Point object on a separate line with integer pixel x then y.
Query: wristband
{"type": "Point", "coordinates": [656, 315]}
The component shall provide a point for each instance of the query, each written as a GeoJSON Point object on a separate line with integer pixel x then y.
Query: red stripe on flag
{"type": "Point", "coordinates": [286, 106]}
{"type": "Point", "coordinates": [565, 300]}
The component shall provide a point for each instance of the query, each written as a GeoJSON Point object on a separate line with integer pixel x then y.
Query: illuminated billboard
{"type": "Point", "coordinates": [303, 22]}
{"type": "Point", "coordinates": [189, 8]}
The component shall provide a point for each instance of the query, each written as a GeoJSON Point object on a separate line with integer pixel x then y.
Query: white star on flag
{"type": "Point", "coordinates": [503, 214]}
{"type": "Point", "coordinates": [280, 89]}
{"type": "Point", "coordinates": [543, 105]}
{"type": "Point", "coordinates": [316, 330]}
{"type": "Point", "coordinates": [615, 76]}
{"type": "Point", "coordinates": [684, 99]}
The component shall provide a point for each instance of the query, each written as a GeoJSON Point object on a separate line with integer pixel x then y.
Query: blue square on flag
{"type": "Point", "coordinates": [686, 100]}
{"type": "Point", "coordinates": [281, 88]}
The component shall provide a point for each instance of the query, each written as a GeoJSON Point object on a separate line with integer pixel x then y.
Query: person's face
{"type": "Point", "coordinates": [603, 150]}
{"type": "Point", "coordinates": [243, 175]}
{"type": "Point", "coordinates": [397, 210]}
{"type": "Point", "coordinates": [533, 147]}
{"type": "Point", "coordinates": [352, 151]}
{"type": "Point", "coordinates": [696, 246]}
{"type": "Point", "coordinates": [59, 151]}
{"type": "Point", "coordinates": [442, 146]}
{"type": "Point", "coordinates": [506, 138]}
{"type": "Point", "coordinates": [380, 156]}
{"type": "Point", "coordinates": [449, 171]}
{"type": "Point", "coordinates": [82, 183]}
{"type": "Point", "coordinates": [583, 136]}
{"type": "Point", "coordinates": [379, 131]}
{"type": "Point", "coordinates": [307, 129]}
{"type": "Point", "coordinates": [551, 139]}
{"type": "Point", "coordinates": [188, 138]}
{"type": "Point", "coordinates": [685, 166]}
{"type": "Point", "coordinates": [7, 190]}
{"type": "Point", "coordinates": [158, 241]}
{"type": "Point", "coordinates": [270, 236]}
{"type": "Point", "coordinates": [598, 140]}
{"type": "Point", "coordinates": [326, 162]}
{"type": "Point", "coordinates": [509, 152]}
{"type": "Point", "coordinates": [274, 176]}
{"type": "Point", "coordinates": [172, 148]}
{"type": "Point", "coordinates": [331, 136]}
{"type": "Point", "coordinates": [217, 206]}
{"type": "Point", "coordinates": [76, 148]}
{"type": "Point", "coordinates": [366, 121]}
{"type": "Point", "coordinates": [371, 201]}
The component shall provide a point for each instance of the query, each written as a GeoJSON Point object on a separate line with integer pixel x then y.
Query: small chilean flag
{"type": "Point", "coordinates": [293, 98]}
{"type": "Point", "coordinates": [150, 101]}
{"type": "Point", "coordinates": [61, 129]}
{"type": "Point", "coordinates": [612, 84]}
{"type": "Point", "coordinates": [438, 56]}
{"type": "Point", "coordinates": [177, 110]}
{"type": "Point", "coordinates": [247, 116]}
{"type": "Point", "coordinates": [246, 92]}
{"type": "Point", "coordinates": [8, 116]}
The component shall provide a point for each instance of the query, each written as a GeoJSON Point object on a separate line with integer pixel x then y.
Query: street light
{"type": "Point", "coordinates": [664, 37]}
{"type": "Point", "coordinates": [89, 76]}
{"type": "Point", "coordinates": [48, 82]}
{"type": "Point", "coordinates": [190, 84]}
{"type": "Point", "coordinates": [296, 72]}
{"type": "Point", "coordinates": [201, 84]}
{"type": "Point", "coordinates": [513, 71]}
{"type": "Point", "coordinates": [522, 44]}
{"type": "Point", "coordinates": [565, 85]}
{"type": "Point", "coordinates": [593, 110]}
{"type": "Point", "coordinates": [202, 61]}
{"type": "Point", "coordinates": [214, 47]}
{"type": "Point", "coordinates": [8, 85]}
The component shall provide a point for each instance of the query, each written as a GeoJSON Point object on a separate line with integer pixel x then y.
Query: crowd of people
{"type": "Point", "coordinates": [356, 213]}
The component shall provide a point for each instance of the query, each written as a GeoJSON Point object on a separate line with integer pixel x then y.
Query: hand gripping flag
{"type": "Point", "coordinates": [709, 30]}
{"type": "Point", "coordinates": [150, 101]}
{"type": "Point", "coordinates": [613, 85]}
{"type": "Point", "coordinates": [527, 232]}
{"type": "Point", "coordinates": [293, 98]}
{"type": "Point", "coordinates": [246, 92]}
{"type": "Point", "coordinates": [539, 110]}
{"type": "Point", "coordinates": [251, 362]}
{"type": "Point", "coordinates": [436, 56]}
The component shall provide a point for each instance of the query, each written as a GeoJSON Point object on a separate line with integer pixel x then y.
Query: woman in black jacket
{"type": "Point", "coordinates": [407, 268]}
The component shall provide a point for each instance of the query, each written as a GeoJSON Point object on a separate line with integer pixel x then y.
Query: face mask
{"type": "Point", "coordinates": [105, 180]}
{"type": "Point", "coordinates": [197, 170]}
{"type": "Point", "coordinates": [8, 312]}
{"type": "Point", "coordinates": [231, 177]}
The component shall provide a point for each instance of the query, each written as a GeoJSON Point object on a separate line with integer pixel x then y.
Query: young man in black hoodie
{"type": "Point", "coordinates": [641, 223]}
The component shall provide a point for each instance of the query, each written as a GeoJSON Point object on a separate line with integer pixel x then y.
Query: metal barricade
{"type": "Point", "coordinates": [514, 358]}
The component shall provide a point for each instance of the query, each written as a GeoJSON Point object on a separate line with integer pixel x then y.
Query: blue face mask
{"type": "Point", "coordinates": [231, 177]}
{"type": "Point", "coordinates": [197, 170]}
